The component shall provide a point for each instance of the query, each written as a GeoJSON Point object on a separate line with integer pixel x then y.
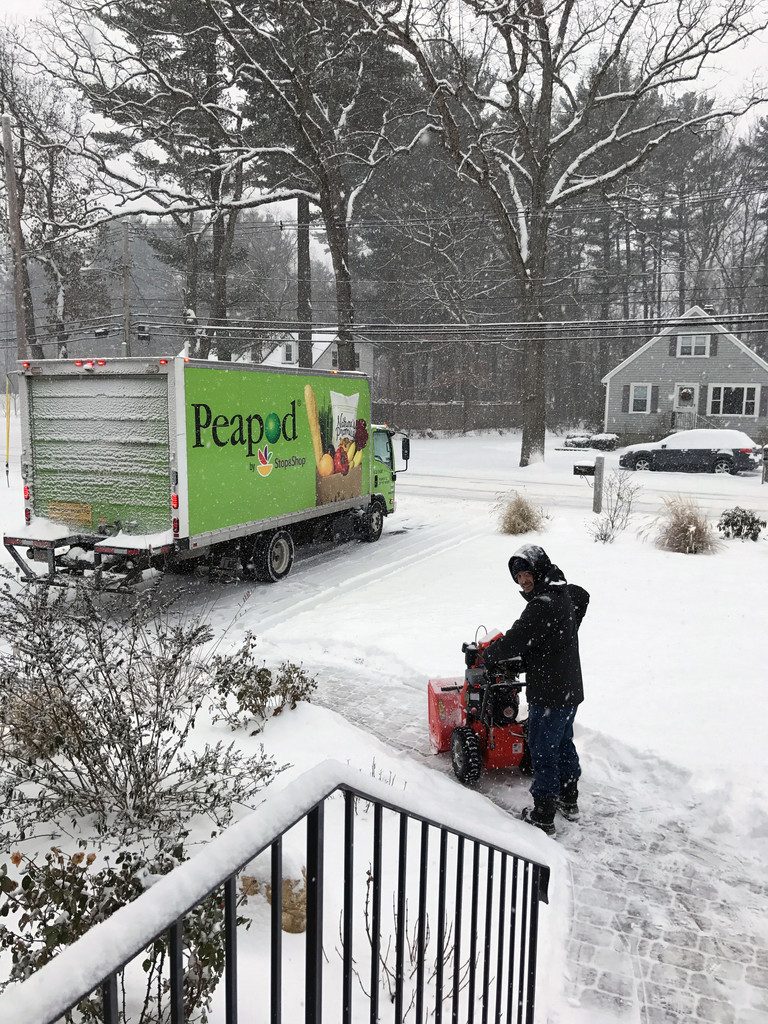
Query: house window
{"type": "Point", "coordinates": [732, 400]}
{"type": "Point", "coordinates": [335, 358]}
{"type": "Point", "coordinates": [693, 344]}
{"type": "Point", "coordinates": [288, 352]}
{"type": "Point", "coordinates": [640, 398]}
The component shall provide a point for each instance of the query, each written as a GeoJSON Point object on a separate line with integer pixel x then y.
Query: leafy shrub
{"type": "Point", "coordinates": [619, 492]}
{"type": "Point", "coordinates": [741, 523]}
{"type": "Point", "coordinates": [246, 693]}
{"type": "Point", "coordinates": [61, 897]}
{"type": "Point", "coordinates": [519, 515]}
{"type": "Point", "coordinates": [684, 527]}
{"type": "Point", "coordinates": [96, 715]}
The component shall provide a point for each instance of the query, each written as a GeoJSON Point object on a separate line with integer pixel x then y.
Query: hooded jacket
{"type": "Point", "coordinates": [546, 634]}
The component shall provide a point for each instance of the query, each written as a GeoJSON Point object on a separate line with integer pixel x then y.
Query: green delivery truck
{"type": "Point", "coordinates": [130, 464]}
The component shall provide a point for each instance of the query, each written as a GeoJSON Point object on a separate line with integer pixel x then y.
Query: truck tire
{"type": "Point", "coordinates": [373, 522]}
{"type": "Point", "coordinates": [272, 556]}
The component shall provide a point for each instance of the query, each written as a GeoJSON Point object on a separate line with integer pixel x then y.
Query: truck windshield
{"type": "Point", "coordinates": [382, 447]}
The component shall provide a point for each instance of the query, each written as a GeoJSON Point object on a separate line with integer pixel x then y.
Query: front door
{"type": "Point", "coordinates": [384, 468]}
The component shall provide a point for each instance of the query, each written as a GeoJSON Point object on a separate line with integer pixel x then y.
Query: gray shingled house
{"type": "Point", "coordinates": [686, 377]}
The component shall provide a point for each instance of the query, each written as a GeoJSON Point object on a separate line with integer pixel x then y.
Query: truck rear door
{"type": "Point", "coordinates": [100, 450]}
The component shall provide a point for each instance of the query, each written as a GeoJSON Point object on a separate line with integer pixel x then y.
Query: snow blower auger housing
{"type": "Point", "coordinates": [476, 717]}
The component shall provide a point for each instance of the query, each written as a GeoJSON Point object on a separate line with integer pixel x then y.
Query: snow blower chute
{"type": "Point", "coordinates": [476, 717]}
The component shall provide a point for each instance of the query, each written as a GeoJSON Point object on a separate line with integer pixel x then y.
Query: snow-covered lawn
{"type": "Point", "coordinates": [673, 729]}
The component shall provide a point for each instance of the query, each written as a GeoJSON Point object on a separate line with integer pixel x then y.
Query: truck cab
{"type": "Point", "coordinates": [384, 469]}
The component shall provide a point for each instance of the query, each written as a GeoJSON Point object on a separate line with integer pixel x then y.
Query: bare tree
{"type": "Point", "coordinates": [518, 128]}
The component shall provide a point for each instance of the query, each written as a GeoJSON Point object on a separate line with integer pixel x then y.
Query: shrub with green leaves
{"type": "Point", "coordinates": [60, 897]}
{"type": "Point", "coordinates": [741, 523]}
{"type": "Point", "coordinates": [247, 693]}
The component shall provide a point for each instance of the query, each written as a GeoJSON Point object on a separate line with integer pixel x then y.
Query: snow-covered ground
{"type": "Point", "coordinates": [670, 903]}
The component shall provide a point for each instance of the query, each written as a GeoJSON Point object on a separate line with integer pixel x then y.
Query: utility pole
{"type": "Point", "coordinates": [304, 284]}
{"type": "Point", "coordinates": [14, 224]}
{"type": "Point", "coordinates": [126, 290]}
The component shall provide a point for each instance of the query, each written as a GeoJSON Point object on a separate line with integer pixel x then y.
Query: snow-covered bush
{"type": "Point", "coordinates": [683, 526]}
{"type": "Point", "coordinates": [60, 897]}
{"type": "Point", "coordinates": [741, 523]}
{"type": "Point", "coordinates": [517, 514]}
{"type": "Point", "coordinates": [619, 492]}
{"type": "Point", "coordinates": [96, 714]}
{"type": "Point", "coordinates": [247, 693]}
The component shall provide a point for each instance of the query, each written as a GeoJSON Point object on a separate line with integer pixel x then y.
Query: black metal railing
{"type": "Point", "coordinates": [470, 954]}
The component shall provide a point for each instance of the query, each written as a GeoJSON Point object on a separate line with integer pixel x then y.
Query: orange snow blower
{"type": "Point", "coordinates": [476, 717]}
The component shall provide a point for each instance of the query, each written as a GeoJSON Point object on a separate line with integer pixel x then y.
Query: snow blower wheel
{"type": "Point", "coordinates": [466, 756]}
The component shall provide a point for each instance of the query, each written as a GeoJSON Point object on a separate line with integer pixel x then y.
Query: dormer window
{"type": "Point", "coordinates": [693, 345]}
{"type": "Point", "coordinates": [288, 352]}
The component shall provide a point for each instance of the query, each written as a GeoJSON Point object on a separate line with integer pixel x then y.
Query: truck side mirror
{"type": "Point", "coordinates": [406, 449]}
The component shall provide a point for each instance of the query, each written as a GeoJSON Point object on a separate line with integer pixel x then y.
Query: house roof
{"type": "Point", "coordinates": [321, 341]}
{"type": "Point", "coordinates": [694, 313]}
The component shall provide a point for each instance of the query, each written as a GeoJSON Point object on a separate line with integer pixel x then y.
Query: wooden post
{"type": "Point", "coordinates": [304, 284]}
{"type": "Point", "coordinates": [126, 290]}
{"type": "Point", "coordinates": [14, 225]}
{"type": "Point", "coordinates": [597, 493]}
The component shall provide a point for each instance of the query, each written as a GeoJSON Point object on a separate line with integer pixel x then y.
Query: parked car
{"type": "Point", "coordinates": [696, 451]}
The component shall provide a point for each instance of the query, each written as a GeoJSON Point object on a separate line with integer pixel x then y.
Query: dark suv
{"type": "Point", "coordinates": [696, 451]}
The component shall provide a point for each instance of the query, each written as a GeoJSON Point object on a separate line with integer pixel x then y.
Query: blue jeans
{"type": "Point", "coordinates": [553, 755]}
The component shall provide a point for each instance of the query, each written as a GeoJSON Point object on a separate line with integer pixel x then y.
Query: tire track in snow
{"type": "Point", "coordinates": [347, 584]}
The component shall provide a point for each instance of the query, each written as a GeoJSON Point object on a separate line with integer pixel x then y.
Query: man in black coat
{"type": "Point", "coordinates": [546, 638]}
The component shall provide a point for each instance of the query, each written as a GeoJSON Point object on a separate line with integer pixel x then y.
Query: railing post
{"type": "Point", "coordinates": [276, 932]}
{"type": "Point", "coordinates": [473, 933]}
{"type": "Point", "coordinates": [376, 914]}
{"type": "Point", "coordinates": [314, 965]}
{"type": "Point", "coordinates": [500, 950]}
{"type": "Point", "coordinates": [176, 946]}
{"type": "Point", "coordinates": [487, 945]}
{"type": "Point", "coordinates": [457, 930]}
{"type": "Point", "coordinates": [109, 999]}
{"type": "Point", "coordinates": [512, 925]}
{"type": "Point", "coordinates": [440, 927]}
{"type": "Point", "coordinates": [533, 946]}
{"type": "Point", "coordinates": [230, 950]}
{"type": "Point", "coordinates": [400, 930]}
{"type": "Point", "coordinates": [523, 936]}
{"type": "Point", "coordinates": [422, 924]}
{"type": "Point", "coordinates": [349, 846]}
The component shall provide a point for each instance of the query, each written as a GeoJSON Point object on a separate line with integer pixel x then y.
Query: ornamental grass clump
{"type": "Point", "coordinates": [516, 515]}
{"type": "Point", "coordinates": [683, 526]}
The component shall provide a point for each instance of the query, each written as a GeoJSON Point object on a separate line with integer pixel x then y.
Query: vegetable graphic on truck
{"type": "Point", "coordinates": [169, 463]}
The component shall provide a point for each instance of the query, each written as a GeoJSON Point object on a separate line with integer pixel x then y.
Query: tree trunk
{"type": "Point", "coordinates": [35, 348]}
{"type": "Point", "coordinates": [304, 283]}
{"type": "Point", "coordinates": [337, 232]}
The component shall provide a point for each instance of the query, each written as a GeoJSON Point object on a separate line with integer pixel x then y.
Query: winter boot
{"type": "Point", "coordinates": [568, 801]}
{"type": "Point", "coordinates": [542, 814]}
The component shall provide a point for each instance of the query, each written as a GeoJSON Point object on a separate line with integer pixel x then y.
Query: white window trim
{"type": "Point", "coordinates": [693, 334]}
{"type": "Point", "coordinates": [286, 357]}
{"type": "Point", "coordinates": [734, 415]}
{"type": "Point", "coordinates": [640, 412]}
{"type": "Point", "coordinates": [689, 408]}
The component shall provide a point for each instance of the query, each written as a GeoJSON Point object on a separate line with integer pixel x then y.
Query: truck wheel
{"type": "Point", "coordinates": [373, 522]}
{"type": "Point", "coordinates": [466, 757]}
{"type": "Point", "coordinates": [273, 556]}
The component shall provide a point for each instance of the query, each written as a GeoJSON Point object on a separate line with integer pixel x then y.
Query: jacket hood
{"type": "Point", "coordinates": [534, 559]}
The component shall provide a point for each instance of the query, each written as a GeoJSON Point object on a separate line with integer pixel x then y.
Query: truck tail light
{"type": "Point", "coordinates": [163, 362]}
{"type": "Point", "coordinates": [88, 364]}
{"type": "Point", "coordinates": [26, 365]}
{"type": "Point", "coordinates": [175, 525]}
{"type": "Point", "coordinates": [745, 451]}
{"type": "Point", "coordinates": [26, 492]}
{"type": "Point", "coordinates": [78, 362]}
{"type": "Point", "coordinates": [101, 362]}
{"type": "Point", "coordinates": [27, 515]}
{"type": "Point", "coordinates": [174, 501]}
{"type": "Point", "coordinates": [131, 552]}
